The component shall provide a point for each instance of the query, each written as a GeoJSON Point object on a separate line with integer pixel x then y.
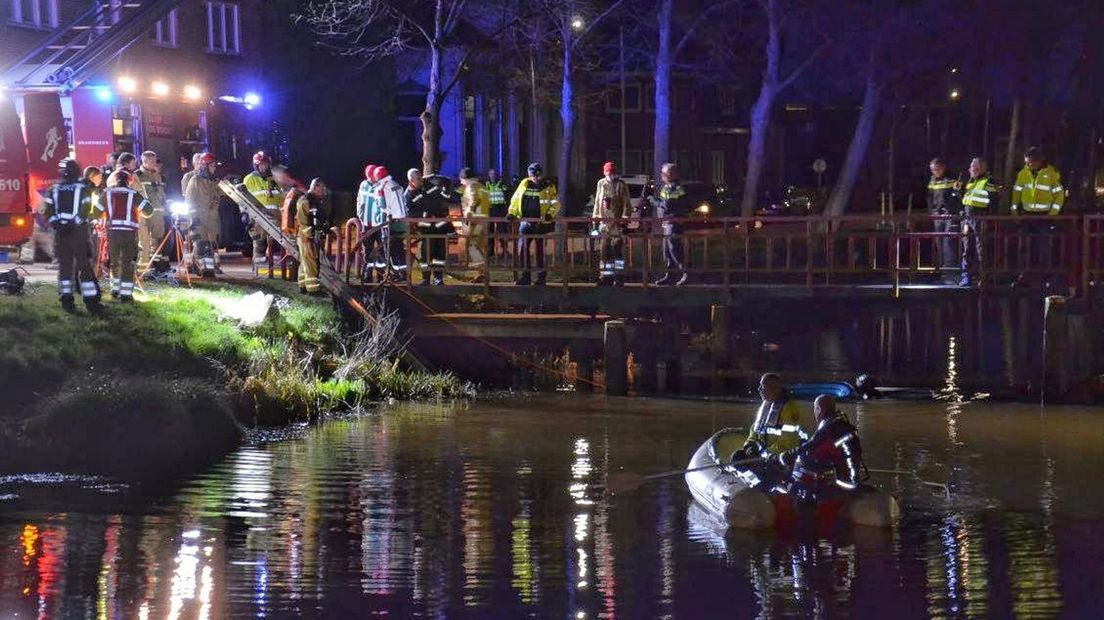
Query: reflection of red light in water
{"type": "Point", "coordinates": [49, 567]}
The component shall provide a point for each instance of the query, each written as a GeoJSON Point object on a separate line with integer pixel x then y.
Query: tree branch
{"type": "Point", "coordinates": [597, 20]}
{"type": "Point", "coordinates": [689, 34]}
{"type": "Point", "coordinates": [796, 73]}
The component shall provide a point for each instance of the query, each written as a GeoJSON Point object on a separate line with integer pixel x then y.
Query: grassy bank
{"type": "Point", "coordinates": [169, 380]}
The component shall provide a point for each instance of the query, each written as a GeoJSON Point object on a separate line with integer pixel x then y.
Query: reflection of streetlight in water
{"type": "Point", "coordinates": [581, 469]}
{"type": "Point", "coordinates": [950, 391]}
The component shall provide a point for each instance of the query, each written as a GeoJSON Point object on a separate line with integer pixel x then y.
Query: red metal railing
{"type": "Point", "coordinates": [855, 250]}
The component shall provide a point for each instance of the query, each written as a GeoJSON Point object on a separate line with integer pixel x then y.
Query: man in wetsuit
{"type": "Point", "coordinates": [830, 460]}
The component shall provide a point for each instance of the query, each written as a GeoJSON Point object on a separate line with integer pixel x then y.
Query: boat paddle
{"type": "Point", "coordinates": [627, 481]}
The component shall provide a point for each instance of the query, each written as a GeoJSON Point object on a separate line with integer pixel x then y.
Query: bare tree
{"type": "Point", "coordinates": [378, 29]}
{"type": "Point", "coordinates": [574, 21]}
{"type": "Point", "coordinates": [779, 14]}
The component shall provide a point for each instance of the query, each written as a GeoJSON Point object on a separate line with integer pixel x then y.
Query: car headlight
{"type": "Point", "coordinates": [703, 208]}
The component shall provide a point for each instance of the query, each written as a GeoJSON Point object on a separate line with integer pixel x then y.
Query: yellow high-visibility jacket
{"type": "Point", "coordinates": [980, 193]}
{"type": "Point", "coordinates": [1038, 192]}
{"type": "Point", "coordinates": [548, 199]}
{"type": "Point", "coordinates": [475, 201]}
{"type": "Point", "coordinates": [777, 427]}
{"type": "Point", "coordinates": [265, 190]}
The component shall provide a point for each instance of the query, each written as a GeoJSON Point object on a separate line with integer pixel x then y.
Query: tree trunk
{"type": "Point", "coordinates": [567, 116]}
{"type": "Point", "coordinates": [1010, 154]}
{"type": "Point", "coordinates": [431, 116]}
{"type": "Point", "coordinates": [757, 147]}
{"type": "Point", "coordinates": [856, 153]}
{"type": "Point", "coordinates": [662, 136]}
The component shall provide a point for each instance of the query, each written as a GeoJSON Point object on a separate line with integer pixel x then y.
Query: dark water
{"type": "Point", "coordinates": [497, 509]}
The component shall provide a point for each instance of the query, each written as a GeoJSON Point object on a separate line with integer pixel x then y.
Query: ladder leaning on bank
{"type": "Point", "coordinates": [326, 273]}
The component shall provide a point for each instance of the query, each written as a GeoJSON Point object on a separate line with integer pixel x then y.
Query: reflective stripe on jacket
{"type": "Point", "coordinates": [1038, 192]}
{"type": "Point", "coordinates": [265, 190]}
{"type": "Point", "coordinates": [125, 208]}
{"type": "Point", "coordinates": [68, 203]}
{"type": "Point", "coordinates": [980, 193]}
{"type": "Point", "coordinates": [777, 427]}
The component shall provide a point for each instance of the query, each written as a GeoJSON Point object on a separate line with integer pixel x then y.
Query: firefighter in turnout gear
{"type": "Point", "coordinates": [611, 206]}
{"type": "Point", "coordinates": [429, 199]}
{"type": "Point", "coordinates": [536, 202]}
{"type": "Point", "coordinates": [268, 192]}
{"type": "Point", "coordinates": [943, 206]}
{"type": "Point", "coordinates": [979, 196]}
{"type": "Point", "coordinates": [125, 208]}
{"type": "Point", "coordinates": [68, 207]}
{"type": "Point", "coordinates": [1038, 192]}
{"type": "Point", "coordinates": [202, 196]}
{"type": "Point", "coordinates": [672, 202]}
{"type": "Point", "coordinates": [310, 215]}
{"type": "Point", "coordinates": [829, 461]}
{"type": "Point", "coordinates": [497, 191]}
{"type": "Point", "coordinates": [475, 203]}
{"type": "Point", "coordinates": [152, 232]}
{"type": "Point", "coordinates": [370, 214]}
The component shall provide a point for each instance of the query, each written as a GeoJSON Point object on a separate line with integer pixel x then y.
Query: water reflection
{"type": "Point", "coordinates": [499, 509]}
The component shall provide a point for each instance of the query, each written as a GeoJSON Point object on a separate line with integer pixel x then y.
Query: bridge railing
{"type": "Point", "coordinates": [812, 251]}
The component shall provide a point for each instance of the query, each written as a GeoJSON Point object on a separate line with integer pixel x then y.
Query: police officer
{"type": "Point", "coordinates": [68, 207]}
{"type": "Point", "coordinates": [943, 205]}
{"type": "Point", "coordinates": [536, 202]}
{"type": "Point", "coordinates": [125, 208]}
{"type": "Point", "coordinates": [1038, 192]}
{"type": "Point", "coordinates": [672, 202]}
{"type": "Point", "coordinates": [979, 197]}
{"type": "Point", "coordinates": [497, 190]}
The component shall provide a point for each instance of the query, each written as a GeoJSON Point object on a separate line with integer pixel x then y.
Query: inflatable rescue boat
{"type": "Point", "coordinates": [730, 497]}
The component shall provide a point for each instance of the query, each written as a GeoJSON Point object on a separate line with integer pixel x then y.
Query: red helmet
{"type": "Point", "coordinates": [260, 157]}
{"type": "Point", "coordinates": [370, 172]}
{"type": "Point", "coordinates": [609, 168]}
{"type": "Point", "coordinates": [381, 173]}
{"type": "Point", "coordinates": [208, 158]}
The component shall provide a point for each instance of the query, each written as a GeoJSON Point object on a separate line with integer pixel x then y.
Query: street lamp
{"type": "Point", "coordinates": [955, 94]}
{"type": "Point", "coordinates": [577, 23]}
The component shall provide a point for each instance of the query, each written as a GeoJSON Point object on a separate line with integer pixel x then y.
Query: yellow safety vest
{"type": "Point", "coordinates": [1038, 192]}
{"type": "Point", "coordinates": [549, 200]}
{"type": "Point", "coordinates": [777, 427]}
{"type": "Point", "coordinates": [265, 190]}
{"type": "Point", "coordinates": [980, 193]}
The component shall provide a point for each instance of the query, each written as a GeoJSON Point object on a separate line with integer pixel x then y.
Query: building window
{"type": "Point", "coordinates": [727, 97]}
{"type": "Point", "coordinates": [223, 28]}
{"type": "Point", "coordinates": [717, 161]}
{"type": "Point", "coordinates": [35, 13]}
{"type": "Point", "coordinates": [632, 99]}
{"type": "Point", "coordinates": [164, 32]}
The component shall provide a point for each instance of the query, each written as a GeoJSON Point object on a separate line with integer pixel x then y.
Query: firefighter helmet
{"type": "Point", "coordinates": [370, 173]}
{"type": "Point", "coordinates": [208, 158]}
{"type": "Point", "coordinates": [381, 173]}
{"type": "Point", "coordinates": [68, 170]}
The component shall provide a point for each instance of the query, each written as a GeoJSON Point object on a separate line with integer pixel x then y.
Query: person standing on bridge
{"type": "Point", "coordinates": [475, 203]}
{"type": "Point", "coordinates": [310, 215]}
{"type": "Point", "coordinates": [672, 203]}
{"type": "Point", "coordinates": [370, 213]}
{"type": "Point", "coordinates": [497, 190]}
{"type": "Point", "coordinates": [536, 202]}
{"type": "Point", "coordinates": [263, 186]}
{"type": "Point", "coordinates": [943, 206]}
{"type": "Point", "coordinates": [611, 206]}
{"type": "Point", "coordinates": [428, 199]}
{"type": "Point", "coordinates": [392, 203]}
{"type": "Point", "coordinates": [979, 195]}
{"type": "Point", "coordinates": [1038, 192]}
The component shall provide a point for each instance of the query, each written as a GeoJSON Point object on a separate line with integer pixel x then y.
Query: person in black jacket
{"type": "Point", "coordinates": [671, 202]}
{"type": "Point", "coordinates": [430, 198]}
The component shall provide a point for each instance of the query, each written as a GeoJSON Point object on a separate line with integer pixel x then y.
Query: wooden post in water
{"type": "Point", "coordinates": [719, 344]}
{"type": "Point", "coordinates": [616, 354]}
{"type": "Point", "coordinates": [1055, 343]}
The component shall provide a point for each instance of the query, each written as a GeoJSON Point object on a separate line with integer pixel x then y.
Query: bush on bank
{"type": "Point", "coordinates": [77, 370]}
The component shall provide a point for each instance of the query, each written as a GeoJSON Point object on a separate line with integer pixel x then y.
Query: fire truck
{"type": "Point", "coordinates": [16, 218]}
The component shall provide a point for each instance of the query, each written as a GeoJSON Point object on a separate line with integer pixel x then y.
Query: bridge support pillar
{"type": "Point", "coordinates": [719, 340]}
{"type": "Point", "coordinates": [1055, 345]}
{"type": "Point", "coordinates": [616, 358]}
